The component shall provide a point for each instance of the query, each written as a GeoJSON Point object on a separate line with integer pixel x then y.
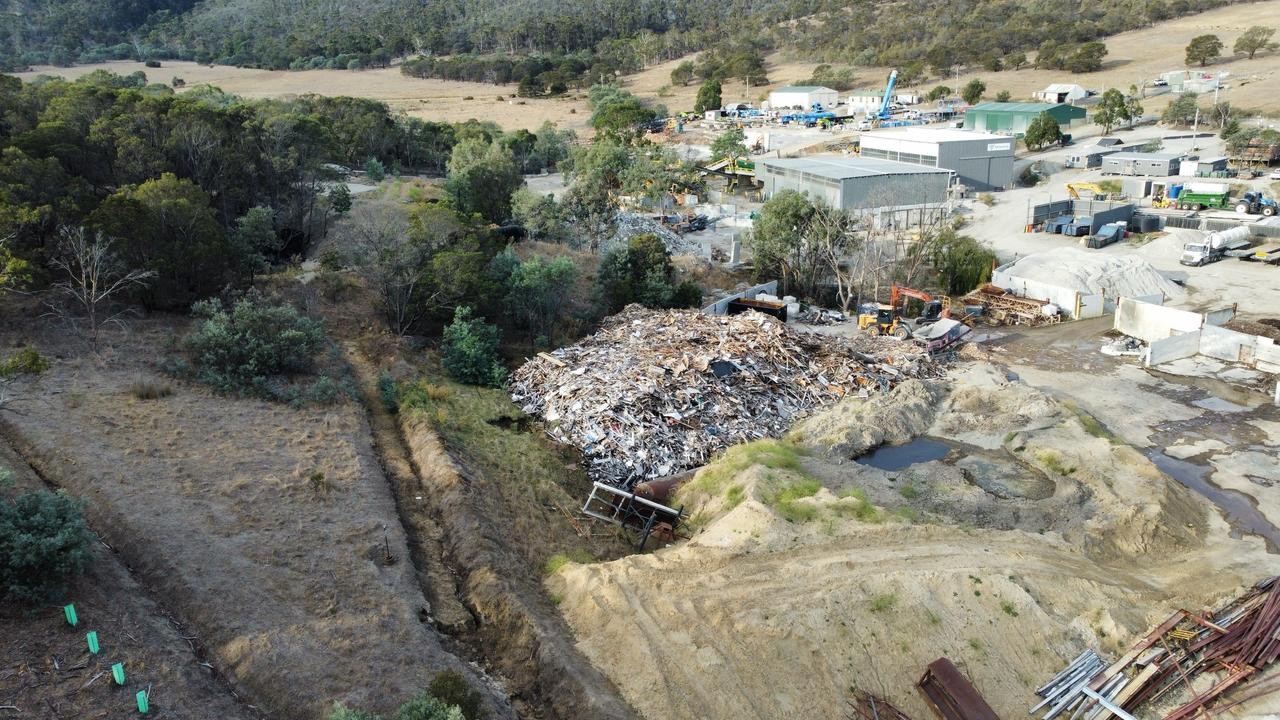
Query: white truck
{"type": "Point", "coordinates": [1214, 246]}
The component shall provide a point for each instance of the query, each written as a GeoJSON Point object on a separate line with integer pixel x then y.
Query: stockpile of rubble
{"type": "Point", "coordinates": [628, 225]}
{"type": "Point", "coordinates": [658, 392]}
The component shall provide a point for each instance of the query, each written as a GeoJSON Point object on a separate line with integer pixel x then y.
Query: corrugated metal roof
{"type": "Point", "coordinates": [1145, 156]}
{"type": "Point", "coordinates": [834, 168]}
{"type": "Point", "coordinates": [928, 134]}
{"type": "Point", "coordinates": [1062, 88]}
{"type": "Point", "coordinates": [1016, 106]}
{"type": "Point", "coordinates": [803, 88]}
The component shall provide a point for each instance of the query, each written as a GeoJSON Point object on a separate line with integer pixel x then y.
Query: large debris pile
{"type": "Point", "coordinates": [628, 225]}
{"type": "Point", "coordinates": [657, 392]}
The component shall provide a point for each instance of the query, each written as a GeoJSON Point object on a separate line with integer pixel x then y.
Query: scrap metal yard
{"type": "Point", "coordinates": [655, 374]}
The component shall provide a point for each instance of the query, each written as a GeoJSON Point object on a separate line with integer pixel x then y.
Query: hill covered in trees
{"type": "Point", "coordinates": [583, 38]}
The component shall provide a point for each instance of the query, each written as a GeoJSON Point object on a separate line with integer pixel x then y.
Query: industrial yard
{"type": "Point", "coordinates": [630, 399]}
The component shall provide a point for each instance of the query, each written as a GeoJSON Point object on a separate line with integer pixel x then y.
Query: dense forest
{"type": "Point", "coordinates": [581, 39]}
{"type": "Point", "coordinates": [205, 189]}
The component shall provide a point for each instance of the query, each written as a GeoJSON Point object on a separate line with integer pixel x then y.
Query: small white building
{"type": "Point", "coordinates": [803, 97]}
{"type": "Point", "coordinates": [860, 103]}
{"type": "Point", "coordinates": [1062, 93]}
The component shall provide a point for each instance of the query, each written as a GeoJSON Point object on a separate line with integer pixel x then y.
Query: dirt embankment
{"type": "Point", "coordinates": [47, 670]}
{"type": "Point", "coordinates": [1036, 536]}
{"type": "Point", "coordinates": [517, 618]}
{"type": "Point", "coordinates": [264, 528]}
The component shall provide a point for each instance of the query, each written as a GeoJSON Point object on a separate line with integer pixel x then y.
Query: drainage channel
{"type": "Point", "coordinates": [1240, 511]}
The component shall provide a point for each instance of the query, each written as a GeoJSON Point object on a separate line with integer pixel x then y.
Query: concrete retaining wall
{"type": "Point", "coordinates": [1223, 344]}
{"type": "Point", "coordinates": [1149, 322]}
{"type": "Point", "coordinates": [1267, 357]}
{"type": "Point", "coordinates": [721, 306]}
{"type": "Point", "coordinates": [1220, 317]}
{"type": "Point", "coordinates": [1173, 348]}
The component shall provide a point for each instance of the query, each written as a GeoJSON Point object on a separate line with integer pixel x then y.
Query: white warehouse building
{"type": "Point", "coordinates": [803, 97]}
{"type": "Point", "coordinates": [980, 161]}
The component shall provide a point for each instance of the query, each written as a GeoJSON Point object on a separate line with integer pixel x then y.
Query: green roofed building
{"type": "Point", "coordinates": [1012, 118]}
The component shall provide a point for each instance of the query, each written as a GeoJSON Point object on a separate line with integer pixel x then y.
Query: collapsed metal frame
{"type": "Point", "coordinates": [626, 509]}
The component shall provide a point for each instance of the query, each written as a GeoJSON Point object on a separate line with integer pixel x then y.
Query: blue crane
{"type": "Point", "coordinates": [884, 113]}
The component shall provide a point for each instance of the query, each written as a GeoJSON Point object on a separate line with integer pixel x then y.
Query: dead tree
{"type": "Point", "coordinates": [94, 281]}
{"type": "Point", "coordinates": [397, 266]}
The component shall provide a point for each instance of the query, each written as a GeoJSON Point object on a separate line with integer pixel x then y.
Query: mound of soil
{"type": "Point", "coordinates": [776, 610]}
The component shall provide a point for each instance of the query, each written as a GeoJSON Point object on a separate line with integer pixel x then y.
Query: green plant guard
{"type": "Point", "coordinates": [117, 673]}
{"type": "Point", "coordinates": [92, 637]}
{"type": "Point", "coordinates": [70, 611]}
{"type": "Point", "coordinates": [143, 705]}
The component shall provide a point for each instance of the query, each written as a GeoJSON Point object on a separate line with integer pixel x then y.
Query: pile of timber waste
{"type": "Point", "coordinates": [1002, 307]}
{"type": "Point", "coordinates": [1235, 643]}
{"type": "Point", "coordinates": [658, 392]}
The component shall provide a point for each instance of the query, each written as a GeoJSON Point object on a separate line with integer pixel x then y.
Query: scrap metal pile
{"type": "Point", "coordinates": [1005, 308]}
{"type": "Point", "coordinates": [1237, 642]}
{"type": "Point", "coordinates": [657, 392]}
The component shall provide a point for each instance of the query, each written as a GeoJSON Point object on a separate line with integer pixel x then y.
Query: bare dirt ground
{"type": "Point", "coordinates": [48, 672]}
{"type": "Point", "coordinates": [214, 502]}
{"type": "Point", "coordinates": [759, 617]}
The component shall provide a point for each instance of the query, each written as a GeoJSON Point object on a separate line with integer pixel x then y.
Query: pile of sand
{"type": "Point", "coordinates": [1091, 272]}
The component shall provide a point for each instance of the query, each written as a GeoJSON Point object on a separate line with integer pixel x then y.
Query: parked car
{"type": "Point", "coordinates": [1275, 175]}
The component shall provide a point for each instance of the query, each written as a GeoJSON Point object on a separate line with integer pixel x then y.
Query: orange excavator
{"type": "Point", "coordinates": [888, 319]}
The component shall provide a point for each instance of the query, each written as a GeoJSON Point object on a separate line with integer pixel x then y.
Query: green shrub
{"type": "Point", "coordinates": [451, 688]}
{"type": "Point", "coordinates": [43, 540]}
{"type": "Point", "coordinates": [470, 350]}
{"type": "Point", "coordinates": [27, 361]}
{"type": "Point", "coordinates": [909, 491]}
{"type": "Point", "coordinates": [388, 392]}
{"type": "Point", "coordinates": [251, 346]}
{"type": "Point", "coordinates": [426, 707]}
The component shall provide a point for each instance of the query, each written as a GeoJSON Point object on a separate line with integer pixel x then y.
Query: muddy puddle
{"type": "Point", "coordinates": [1238, 508]}
{"type": "Point", "coordinates": [996, 472]}
{"type": "Point", "coordinates": [897, 457]}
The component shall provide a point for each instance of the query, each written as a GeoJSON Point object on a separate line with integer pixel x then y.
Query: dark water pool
{"type": "Point", "coordinates": [897, 457]}
{"type": "Point", "coordinates": [1241, 513]}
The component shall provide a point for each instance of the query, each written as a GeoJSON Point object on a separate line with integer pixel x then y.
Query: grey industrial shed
{"type": "Point", "coordinates": [856, 183]}
{"type": "Point", "coordinates": [1135, 163]}
{"type": "Point", "coordinates": [981, 161]}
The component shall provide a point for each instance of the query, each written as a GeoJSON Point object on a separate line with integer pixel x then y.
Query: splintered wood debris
{"type": "Point", "coordinates": [659, 392]}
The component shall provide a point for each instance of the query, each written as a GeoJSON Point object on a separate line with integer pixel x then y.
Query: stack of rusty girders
{"type": "Point", "coordinates": [1005, 308]}
{"type": "Point", "coordinates": [1236, 642]}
